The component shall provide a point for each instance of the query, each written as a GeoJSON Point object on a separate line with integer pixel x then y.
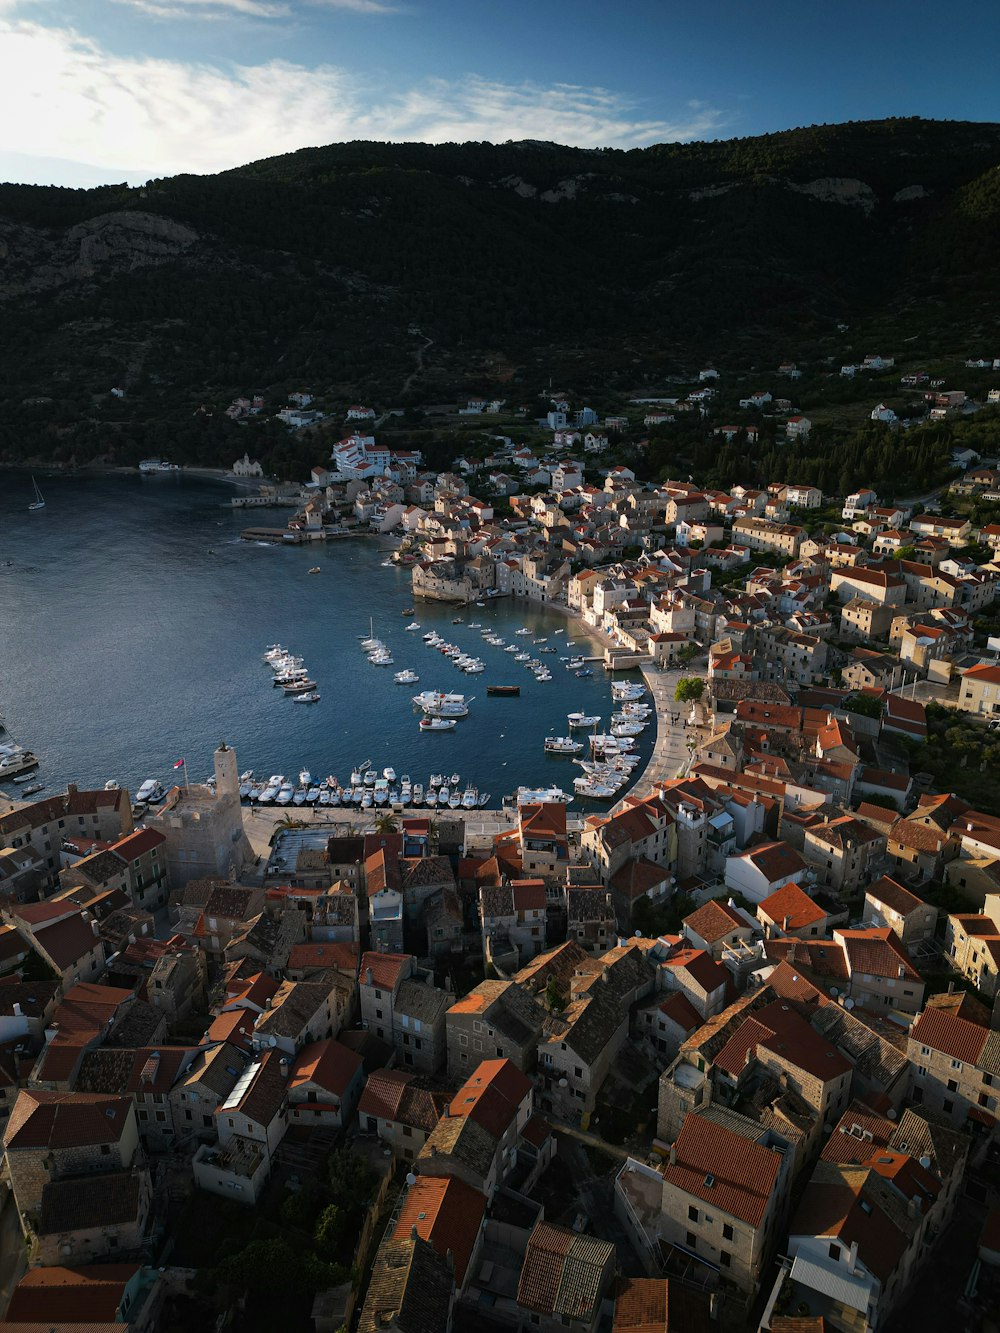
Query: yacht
{"type": "Point", "coordinates": [389, 773]}
{"type": "Point", "coordinates": [407, 677]}
{"type": "Point", "coordinates": [310, 697]}
{"type": "Point", "coordinates": [417, 796]}
{"type": "Point", "coordinates": [381, 792]}
{"type": "Point", "coordinates": [14, 759]}
{"type": "Point", "coordinates": [39, 501]}
{"type": "Point", "coordinates": [475, 668]}
{"type": "Point", "coordinates": [439, 704]}
{"type": "Point", "coordinates": [406, 790]}
{"type": "Point", "coordinates": [562, 745]}
{"type": "Point", "coordinates": [628, 729]}
{"type": "Point", "coordinates": [285, 794]}
{"type": "Point", "coordinates": [626, 689]}
{"type": "Point", "coordinates": [150, 793]}
{"type": "Point", "coordinates": [381, 658]}
{"type": "Point", "coordinates": [437, 723]}
{"type": "Point", "coordinates": [454, 780]}
{"type": "Point", "coordinates": [470, 798]}
{"type": "Point", "coordinates": [542, 796]}
{"type": "Point", "coordinates": [300, 687]}
{"type": "Point", "coordinates": [580, 721]}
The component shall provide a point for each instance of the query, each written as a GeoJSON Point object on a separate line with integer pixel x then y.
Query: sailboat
{"type": "Point", "coordinates": [39, 500]}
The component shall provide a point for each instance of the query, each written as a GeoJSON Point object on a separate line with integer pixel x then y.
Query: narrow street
{"type": "Point", "coordinates": [13, 1256]}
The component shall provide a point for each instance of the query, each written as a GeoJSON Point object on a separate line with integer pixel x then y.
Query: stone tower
{"type": "Point", "coordinates": [227, 778]}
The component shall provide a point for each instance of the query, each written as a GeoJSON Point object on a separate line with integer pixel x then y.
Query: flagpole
{"type": "Point", "coordinates": [187, 785]}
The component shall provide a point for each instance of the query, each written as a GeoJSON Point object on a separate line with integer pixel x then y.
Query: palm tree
{"type": "Point", "coordinates": [385, 823]}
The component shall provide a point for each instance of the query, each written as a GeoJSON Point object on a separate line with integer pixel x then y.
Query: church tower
{"type": "Point", "coordinates": [227, 779]}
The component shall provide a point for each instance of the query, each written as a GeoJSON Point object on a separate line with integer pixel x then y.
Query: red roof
{"type": "Point", "coordinates": [448, 1213]}
{"type": "Point", "coordinates": [953, 1036]}
{"type": "Point", "coordinates": [65, 1119]}
{"type": "Point", "coordinates": [387, 969]}
{"type": "Point", "coordinates": [492, 1095]}
{"type": "Point", "coordinates": [383, 1093]}
{"type": "Point", "coordinates": [137, 843]}
{"type": "Point", "coordinates": [715, 920]}
{"type": "Point", "coordinates": [794, 903]}
{"type": "Point", "coordinates": [340, 954]}
{"type": "Point", "coordinates": [719, 1167]}
{"type": "Point", "coordinates": [328, 1064]}
{"type": "Point", "coordinates": [85, 1295]}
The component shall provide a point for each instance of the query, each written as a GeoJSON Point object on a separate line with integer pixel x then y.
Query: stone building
{"type": "Point", "coordinates": [204, 828]}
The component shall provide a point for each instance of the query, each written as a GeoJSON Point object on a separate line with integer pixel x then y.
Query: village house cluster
{"type": "Point", "coordinates": [800, 1094]}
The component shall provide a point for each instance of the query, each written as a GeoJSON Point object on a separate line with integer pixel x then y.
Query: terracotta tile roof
{"type": "Point", "coordinates": [715, 920]}
{"type": "Point", "coordinates": [854, 1204]}
{"type": "Point", "coordinates": [328, 1064]}
{"type": "Point", "coordinates": [679, 1009]}
{"type": "Point", "coordinates": [66, 942]}
{"type": "Point", "coordinates": [742, 1173]}
{"type": "Point", "coordinates": [383, 1093]}
{"type": "Point", "coordinates": [544, 820]}
{"type": "Point", "coordinates": [88, 1293]}
{"type": "Point", "coordinates": [562, 1274]}
{"type": "Point", "coordinates": [386, 968]}
{"type": "Point", "coordinates": [877, 952]}
{"type": "Point", "coordinates": [952, 1036]}
{"type": "Point", "coordinates": [700, 966]}
{"type": "Point", "coordinates": [894, 896]}
{"type": "Point", "coordinates": [105, 1199]}
{"type": "Point", "coordinates": [65, 1119]}
{"type": "Point", "coordinates": [448, 1213]}
{"type": "Point", "coordinates": [637, 876]}
{"type": "Point", "coordinates": [235, 1026]}
{"type": "Point", "coordinates": [858, 1134]}
{"type": "Point", "coordinates": [774, 860]}
{"type": "Point", "coordinates": [138, 843]}
{"type": "Point", "coordinates": [657, 1305]}
{"type": "Point", "coordinates": [492, 1095]}
{"type": "Point", "coordinates": [537, 1131]}
{"type": "Point", "coordinates": [918, 837]}
{"type": "Point", "coordinates": [787, 982]}
{"type": "Point", "coordinates": [341, 954]}
{"type": "Point", "coordinates": [126, 1071]}
{"type": "Point", "coordinates": [794, 903]}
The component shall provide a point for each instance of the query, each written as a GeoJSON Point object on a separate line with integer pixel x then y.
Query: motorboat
{"type": "Point", "coordinates": [309, 697]}
{"type": "Point", "coordinates": [537, 641]}
{"type": "Point", "coordinates": [289, 676]}
{"type": "Point", "coordinates": [300, 687]}
{"type": "Point", "coordinates": [256, 792]}
{"type": "Point", "coordinates": [523, 630]}
{"type": "Point", "coordinates": [313, 795]}
{"type": "Point", "coordinates": [542, 796]}
{"type": "Point", "coordinates": [484, 799]}
{"type": "Point", "coordinates": [580, 721]}
{"type": "Point", "coordinates": [430, 800]}
{"type": "Point", "coordinates": [381, 792]}
{"type": "Point", "coordinates": [285, 794]}
{"type": "Point", "coordinates": [299, 795]}
{"type": "Point", "coordinates": [503, 690]}
{"type": "Point", "coordinates": [444, 794]}
{"type": "Point", "coordinates": [439, 704]}
{"type": "Point", "coordinates": [454, 780]}
{"type": "Point", "coordinates": [111, 785]}
{"type": "Point", "coordinates": [406, 791]}
{"type": "Point", "coordinates": [562, 745]}
{"type": "Point", "coordinates": [474, 668]}
{"type": "Point", "coordinates": [437, 723]}
{"type": "Point", "coordinates": [475, 624]}
{"type": "Point", "coordinates": [245, 788]}
{"type": "Point", "coordinates": [269, 794]}
{"type": "Point", "coordinates": [584, 672]}
{"type": "Point", "coordinates": [595, 790]}
{"type": "Point", "coordinates": [383, 658]}
{"type": "Point", "coordinates": [511, 648]}
{"type": "Point", "coordinates": [470, 798]}
{"type": "Point", "coordinates": [435, 780]}
{"type": "Point", "coordinates": [371, 777]}
{"type": "Point", "coordinates": [417, 795]}
{"type": "Point", "coordinates": [412, 626]}
{"type": "Point", "coordinates": [407, 677]}
{"type": "Point", "coordinates": [305, 778]}
{"type": "Point", "coordinates": [628, 729]}
{"type": "Point", "coordinates": [455, 800]}
{"type": "Point", "coordinates": [626, 690]}
{"type": "Point", "coordinates": [367, 799]}
{"type": "Point", "coordinates": [394, 797]}
{"type": "Point", "coordinates": [389, 773]}
{"type": "Point", "coordinates": [34, 786]}
{"type": "Point", "coordinates": [150, 793]}
{"type": "Point", "coordinates": [522, 657]}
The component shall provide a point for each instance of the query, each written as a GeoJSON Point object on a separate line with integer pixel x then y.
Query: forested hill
{"type": "Point", "coordinates": [332, 267]}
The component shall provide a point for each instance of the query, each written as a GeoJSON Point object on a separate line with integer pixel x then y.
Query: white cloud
{"type": "Point", "coordinates": [63, 96]}
{"type": "Point", "coordinates": [209, 9]}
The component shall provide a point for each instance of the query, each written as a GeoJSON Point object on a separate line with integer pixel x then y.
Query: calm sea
{"type": "Point", "coordinates": [133, 619]}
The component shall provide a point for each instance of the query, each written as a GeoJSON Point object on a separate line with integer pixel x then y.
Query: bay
{"type": "Point", "coordinates": [133, 621]}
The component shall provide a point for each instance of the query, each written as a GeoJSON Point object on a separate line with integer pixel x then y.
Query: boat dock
{"type": "Point", "coordinates": [276, 536]}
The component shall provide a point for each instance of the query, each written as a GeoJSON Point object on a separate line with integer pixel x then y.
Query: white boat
{"type": "Point", "coordinates": [313, 795]}
{"type": "Point", "coordinates": [435, 780]}
{"type": "Point", "coordinates": [149, 465]}
{"type": "Point", "coordinates": [454, 780]}
{"type": "Point", "coordinates": [625, 690]}
{"type": "Point", "coordinates": [475, 624]}
{"type": "Point", "coordinates": [474, 669]}
{"type": "Point", "coordinates": [367, 799]}
{"type": "Point", "coordinates": [444, 795]}
{"type": "Point", "coordinates": [325, 797]}
{"type": "Point", "coordinates": [305, 778]}
{"type": "Point", "coordinates": [484, 799]}
{"type": "Point", "coordinates": [439, 704]}
{"type": "Point", "coordinates": [470, 798]}
{"type": "Point", "coordinates": [578, 721]}
{"type": "Point", "coordinates": [522, 657]}
{"type": "Point", "coordinates": [285, 794]}
{"type": "Point", "coordinates": [381, 792]}
{"type": "Point", "coordinates": [389, 773]}
{"type": "Point", "coordinates": [111, 785]}
{"type": "Point", "coordinates": [542, 796]}
{"type": "Point", "coordinates": [412, 626]}
{"type": "Point", "coordinates": [150, 793]}
{"type": "Point", "coordinates": [595, 790]}
{"type": "Point", "coordinates": [245, 788]}
{"type": "Point", "coordinates": [39, 500]}
{"type": "Point", "coordinates": [407, 677]}
{"type": "Point", "coordinates": [562, 745]}
{"type": "Point", "coordinates": [299, 795]}
{"type": "Point", "coordinates": [628, 729]}
{"type": "Point", "coordinates": [300, 687]}
{"type": "Point", "coordinates": [437, 723]}
{"type": "Point", "coordinates": [371, 777]}
{"type": "Point", "coordinates": [523, 630]}
{"type": "Point", "coordinates": [406, 791]}
{"type": "Point", "coordinates": [381, 658]}
{"type": "Point", "coordinates": [430, 800]}
{"type": "Point", "coordinates": [417, 795]}
{"type": "Point", "coordinates": [309, 697]}
{"type": "Point", "coordinates": [455, 800]}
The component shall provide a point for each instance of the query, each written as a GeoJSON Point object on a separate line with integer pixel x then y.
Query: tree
{"type": "Point", "coordinates": [689, 688]}
{"type": "Point", "coordinates": [553, 996]}
{"type": "Point", "coordinates": [385, 823]}
{"type": "Point", "coordinates": [689, 652]}
{"type": "Point", "coordinates": [867, 705]}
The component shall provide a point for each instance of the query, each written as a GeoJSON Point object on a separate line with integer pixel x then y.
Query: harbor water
{"type": "Point", "coordinates": [133, 621]}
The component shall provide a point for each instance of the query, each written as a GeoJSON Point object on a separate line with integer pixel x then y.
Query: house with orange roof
{"type": "Point", "coordinates": [401, 1005]}
{"type": "Point", "coordinates": [972, 946]}
{"type": "Point", "coordinates": [843, 853]}
{"type": "Point", "coordinates": [888, 903]}
{"type": "Point", "coordinates": [496, 1017]}
{"type": "Point", "coordinates": [54, 1135]}
{"type": "Point", "coordinates": [325, 1084]}
{"type": "Point", "coordinates": [759, 871]}
{"type": "Point", "coordinates": [724, 1196]}
{"type": "Point", "coordinates": [791, 911]}
{"type": "Point", "coordinates": [543, 843]}
{"type": "Point", "coordinates": [640, 829]}
{"type": "Point", "coordinates": [881, 976]}
{"type": "Point", "coordinates": [89, 1297]}
{"type": "Point", "coordinates": [956, 1064]}
{"type": "Point", "coordinates": [449, 1214]}
{"type": "Point", "coordinates": [659, 1305]}
{"type": "Point", "coordinates": [718, 926]}
{"type": "Point", "coordinates": [402, 1108]}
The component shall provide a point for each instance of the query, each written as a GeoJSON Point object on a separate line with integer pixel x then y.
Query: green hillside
{"type": "Point", "coordinates": [605, 269]}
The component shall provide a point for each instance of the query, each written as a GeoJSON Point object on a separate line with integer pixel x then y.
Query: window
{"type": "Point", "coordinates": [692, 1241]}
{"type": "Point", "coordinates": [692, 1214]}
{"type": "Point", "coordinates": [952, 1085]}
{"type": "Point", "coordinates": [988, 1080]}
{"type": "Point", "coordinates": [835, 1252]}
{"type": "Point", "coordinates": [407, 1132]}
{"type": "Point", "coordinates": [105, 1149]}
{"type": "Point", "coordinates": [725, 1258]}
{"type": "Point", "coordinates": [956, 1064]}
{"type": "Point", "coordinates": [727, 1231]}
{"type": "Point", "coordinates": [949, 1107]}
{"type": "Point", "coordinates": [984, 1100]}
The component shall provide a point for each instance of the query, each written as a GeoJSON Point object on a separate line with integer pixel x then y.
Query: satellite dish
{"type": "Point", "coordinates": [410, 1178]}
{"type": "Point", "coordinates": [564, 1083]}
{"type": "Point", "coordinates": [272, 1042]}
{"type": "Point", "coordinates": [834, 991]}
{"type": "Point", "coordinates": [925, 1162]}
{"type": "Point", "coordinates": [891, 1113]}
{"type": "Point", "coordinates": [848, 1003]}
{"type": "Point", "coordinates": [637, 934]}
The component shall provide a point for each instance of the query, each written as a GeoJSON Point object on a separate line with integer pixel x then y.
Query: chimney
{"type": "Point", "coordinates": [17, 1010]}
{"type": "Point", "coordinates": [283, 1066]}
{"type": "Point", "coordinates": [368, 976]}
{"type": "Point", "coordinates": [784, 924]}
{"type": "Point", "coordinates": [673, 1154]}
{"type": "Point", "coordinates": [902, 972]}
{"type": "Point", "coordinates": [852, 1261]}
{"type": "Point", "coordinates": [413, 1232]}
{"type": "Point", "coordinates": [913, 1206]}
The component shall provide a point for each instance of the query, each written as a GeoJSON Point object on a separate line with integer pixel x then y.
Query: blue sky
{"type": "Point", "coordinates": [106, 90]}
